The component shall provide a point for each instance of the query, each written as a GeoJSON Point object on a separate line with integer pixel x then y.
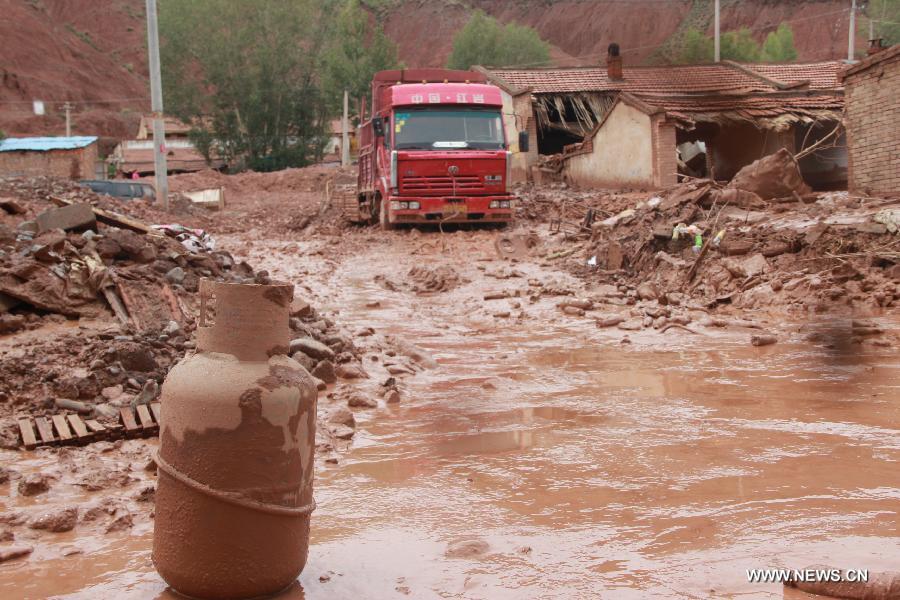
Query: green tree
{"type": "Point", "coordinates": [886, 17]}
{"type": "Point", "coordinates": [739, 46]}
{"type": "Point", "coordinates": [356, 51]}
{"type": "Point", "coordinates": [696, 47]}
{"type": "Point", "coordinates": [250, 68]}
{"type": "Point", "coordinates": [779, 45]}
{"type": "Point", "coordinates": [484, 41]}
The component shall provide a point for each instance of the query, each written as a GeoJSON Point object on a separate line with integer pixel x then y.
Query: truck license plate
{"type": "Point", "coordinates": [454, 209]}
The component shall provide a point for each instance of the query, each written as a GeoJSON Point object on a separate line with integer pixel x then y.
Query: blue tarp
{"type": "Point", "coordinates": [42, 144]}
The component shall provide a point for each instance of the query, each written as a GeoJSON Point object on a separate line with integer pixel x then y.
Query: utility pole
{"type": "Point", "coordinates": [717, 57]}
{"type": "Point", "coordinates": [68, 106]}
{"type": "Point", "coordinates": [159, 131]}
{"type": "Point", "coordinates": [851, 42]}
{"type": "Point", "coordinates": [345, 132]}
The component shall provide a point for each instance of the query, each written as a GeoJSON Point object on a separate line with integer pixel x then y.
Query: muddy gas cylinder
{"type": "Point", "coordinates": [235, 460]}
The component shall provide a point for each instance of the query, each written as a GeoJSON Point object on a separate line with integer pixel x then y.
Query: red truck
{"type": "Point", "coordinates": [434, 150]}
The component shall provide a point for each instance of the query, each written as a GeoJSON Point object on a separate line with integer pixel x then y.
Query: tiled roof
{"type": "Point", "coordinates": [43, 144]}
{"type": "Point", "coordinates": [820, 75]}
{"type": "Point", "coordinates": [760, 90]}
{"type": "Point", "coordinates": [678, 79]}
{"type": "Point", "coordinates": [722, 78]}
{"type": "Point", "coordinates": [752, 106]}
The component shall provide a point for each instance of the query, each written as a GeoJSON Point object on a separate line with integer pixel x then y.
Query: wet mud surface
{"type": "Point", "coordinates": [542, 457]}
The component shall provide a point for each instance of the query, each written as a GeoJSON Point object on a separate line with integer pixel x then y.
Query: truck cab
{"type": "Point", "coordinates": [434, 150]}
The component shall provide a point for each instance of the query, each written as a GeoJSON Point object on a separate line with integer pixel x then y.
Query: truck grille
{"type": "Point", "coordinates": [442, 185]}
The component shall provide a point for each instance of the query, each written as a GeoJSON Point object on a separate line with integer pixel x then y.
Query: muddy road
{"type": "Point", "coordinates": [544, 457]}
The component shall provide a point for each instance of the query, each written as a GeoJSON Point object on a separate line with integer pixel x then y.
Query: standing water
{"type": "Point", "coordinates": [548, 460]}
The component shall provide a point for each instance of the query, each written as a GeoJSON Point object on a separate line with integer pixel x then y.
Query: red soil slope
{"type": "Point", "coordinates": [88, 52]}
{"type": "Point", "coordinates": [582, 29]}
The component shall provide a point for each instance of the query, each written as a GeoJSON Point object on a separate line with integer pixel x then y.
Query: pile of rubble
{"type": "Point", "coordinates": [117, 298]}
{"type": "Point", "coordinates": [763, 239]}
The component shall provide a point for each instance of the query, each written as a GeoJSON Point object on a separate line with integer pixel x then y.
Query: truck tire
{"type": "Point", "coordinates": [383, 216]}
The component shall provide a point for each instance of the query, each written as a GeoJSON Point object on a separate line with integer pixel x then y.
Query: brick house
{"type": "Point", "coordinates": [71, 157]}
{"type": "Point", "coordinates": [873, 122]}
{"type": "Point", "coordinates": [641, 127]}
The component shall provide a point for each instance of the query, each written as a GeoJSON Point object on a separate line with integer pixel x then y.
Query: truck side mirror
{"type": "Point", "coordinates": [523, 141]}
{"type": "Point", "coordinates": [378, 126]}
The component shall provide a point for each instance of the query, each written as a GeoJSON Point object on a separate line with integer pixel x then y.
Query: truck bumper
{"type": "Point", "coordinates": [473, 209]}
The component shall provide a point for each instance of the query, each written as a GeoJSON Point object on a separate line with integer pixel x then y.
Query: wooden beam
{"type": "Point", "coordinates": [27, 431]}
{"type": "Point", "coordinates": [128, 421]}
{"type": "Point", "coordinates": [62, 428]}
{"type": "Point", "coordinates": [78, 427]}
{"type": "Point", "coordinates": [95, 426]}
{"type": "Point", "coordinates": [45, 430]}
{"type": "Point", "coordinates": [156, 407]}
{"type": "Point", "coordinates": [143, 414]}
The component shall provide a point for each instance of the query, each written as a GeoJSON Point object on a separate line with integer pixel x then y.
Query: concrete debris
{"type": "Point", "coordinates": [350, 371]}
{"type": "Point", "coordinates": [312, 348]}
{"type": "Point", "coordinates": [360, 400]}
{"type": "Point", "coordinates": [324, 370]}
{"type": "Point", "coordinates": [763, 339]}
{"type": "Point", "coordinates": [516, 246]}
{"type": "Point", "coordinates": [56, 521]}
{"type": "Point", "coordinates": [470, 548]}
{"type": "Point", "coordinates": [774, 176]}
{"type": "Point", "coordinates": [34, 484]}
{"type": "Point", "coordinates": [73, 216]}
{"type": "Point", "coordinates": [890, 218]}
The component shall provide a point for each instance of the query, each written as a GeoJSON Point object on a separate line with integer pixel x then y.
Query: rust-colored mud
{"type": "Point", "coordinates": [545, 458]}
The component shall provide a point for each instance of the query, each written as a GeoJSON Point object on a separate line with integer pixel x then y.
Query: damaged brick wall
{"type": "Point", "coordinates": [872, 91]}
{"type": "Point", "coordinates": [78, 163]}
{"type": "Point", "coordinates": [665, 159]}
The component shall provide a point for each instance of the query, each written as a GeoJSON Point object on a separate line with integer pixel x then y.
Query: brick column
{"type": "Point", "coordinates": [665, 162]}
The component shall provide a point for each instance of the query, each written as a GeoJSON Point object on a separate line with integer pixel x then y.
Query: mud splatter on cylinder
{"type": "Point", "coordinates": [235, 462]}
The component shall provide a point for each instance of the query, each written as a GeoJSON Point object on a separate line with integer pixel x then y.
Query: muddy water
{"type": "Point", "coordinates": [662, 468]}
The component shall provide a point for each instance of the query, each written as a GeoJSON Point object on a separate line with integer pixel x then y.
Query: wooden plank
{"type": "Point", "coordinates": [156, 407]}
{"type": "Point", "coordinates": [45, 430]}
{"type": "Point", "coordinates": [62, 428]}
{"type": "Point", "coordinates": [115, 303]}
{"type": "Point", "coordinates": [95, 426]}
{"type": "Point", "coordinates": [143, 414]}
{"type": "Point", "coordinates": [27, 431]}
{"type": "Point", "coordinates": [128, 421]}
{"type": "Point", "coordinates": [78, 427]}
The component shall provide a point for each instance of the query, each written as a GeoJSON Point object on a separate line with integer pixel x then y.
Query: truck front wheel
{"type": "Point", "coordinates": [383, 216]}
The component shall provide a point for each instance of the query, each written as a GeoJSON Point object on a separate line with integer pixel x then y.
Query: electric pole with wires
{"type": "Point", "coordinates": [159, 131]}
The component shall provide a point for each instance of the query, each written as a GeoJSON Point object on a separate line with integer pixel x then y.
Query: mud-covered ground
{"type": "Point", "coordinates": [557, 429]}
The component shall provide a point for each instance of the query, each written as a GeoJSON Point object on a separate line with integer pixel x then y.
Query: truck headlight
{"type": "Point", "coordinates": [404, 205]}
{"type": "Point", "coordinates": [495, 204]}
{"type": "Point", "coordinates": [505, 204]}
{"type": "Point", "coordinates": [414, 206]}
{"type": "Point", "coordinates": [395, 205]}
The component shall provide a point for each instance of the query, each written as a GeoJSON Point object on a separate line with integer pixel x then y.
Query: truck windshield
{"type": "Point", "coordinates": [448, 129]}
